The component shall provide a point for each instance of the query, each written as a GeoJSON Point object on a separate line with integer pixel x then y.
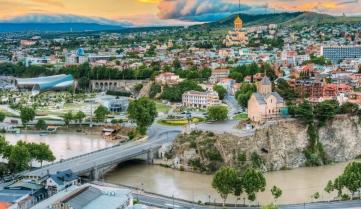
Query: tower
{"type": "Point", "coordinates": [238, 24]}
{"type": "Point", "coordinates": [264, 86]}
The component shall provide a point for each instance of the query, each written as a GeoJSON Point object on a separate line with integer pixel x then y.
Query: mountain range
{"type": "Point", "coordinates": [73, 23]}
{"type": "Point", "coordinates": [283, 19]}
{"type": "Point", "coordinates": [60, 23]}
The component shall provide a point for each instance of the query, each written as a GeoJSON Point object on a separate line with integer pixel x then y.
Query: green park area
{"type": "Point", "coordinates": [162, 107]}
{"type": "Point", "coordinates": [241, 116]}
{"type": "Point", "coordinates": [180, 121]}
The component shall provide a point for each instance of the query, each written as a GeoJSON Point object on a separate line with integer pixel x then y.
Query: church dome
{"type": "Point", "coordinates": [238, 20]}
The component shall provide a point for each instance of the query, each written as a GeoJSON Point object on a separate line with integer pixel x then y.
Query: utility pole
{"type": "Point", "coordinates": [91, 114]}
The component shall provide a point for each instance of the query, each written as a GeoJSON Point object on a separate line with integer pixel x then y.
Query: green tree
{"type": "Point", "coordinates": [224, 181]}
{"type": "Point", "coordinates": [101, 113]}
{"type": "Point", "coordinates": [154, 90]}
{"type": "Point", "coordinates": [270, 206]}
{"type": "Point", "coordinates": [285, 90]}
{"type": "Point", "coordinates": [349, 108]}
{"type": "Point", "coordinates": [325, 110]}
{"type": "Point", "coordinates": [19, 158]}
{"type": "Point", "coordinates": [329, 187]}
{"type": "Point", "coordinates": [3, 145]}
{"type": "Point", "coordinates": [316, 195]}
{"type": "Point", "coordinates": [221, 91]}
{"type": "Point", "coordinates": [351, 177]}
{"type": "Point", "coordinates": [79, 116]}
{"type": "Point", "coordinates": [41, 124]}
{"type": "Point", "coordinates": [41, 152]}
{"type": "Point", "coordinates": [2, 116]}
{"type": "Point", "coordinates": [217, 113]}
{"type": "Point", "coordinates": [27, 114]}
{"type": "Point", "coordinates": [244, 93]}
{"type": "Point", "coordinates": [143, 111]}
{"type": "Point", "coordinates": [253, 181]}
{"type": "Point", "coordinates": [276, 192]}
{"type": "Point", "coordinates": [257, 161]}
{"type": "Point", "coordinates": [84, 82]}
{"type": "Point", "coordinates": [303, 111]}
{"type": "Point", "coordinates": [174, 93]}
{"type": "Point", "coordinates": [68, 117]}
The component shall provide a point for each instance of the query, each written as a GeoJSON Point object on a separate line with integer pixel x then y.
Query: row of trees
{"type": "Point", "coordinates": [240, 72]}
{"type": "Point", "coordinates": [228, 181]}
{"type": "Point", "coordinates": [21, 154]}
{"type": "Point", "coordinates": [69, 116]}
{"type": "Point", "coordinates": [349, 180]}
{"type": "Point", "coordinates": [174, 93]}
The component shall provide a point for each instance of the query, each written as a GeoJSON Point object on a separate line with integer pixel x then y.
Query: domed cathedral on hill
{"type": "Point", "coordinates": [237, 36]}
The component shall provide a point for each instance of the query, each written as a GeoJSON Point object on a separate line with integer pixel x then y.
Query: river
{"type": "Point", "coordinates": [64, 145]}
{"type": "Point", "coordinates": [297, 185]}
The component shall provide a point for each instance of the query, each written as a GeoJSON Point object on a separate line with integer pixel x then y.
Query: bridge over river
{"type": "Point", "coordinates": [97, 162]}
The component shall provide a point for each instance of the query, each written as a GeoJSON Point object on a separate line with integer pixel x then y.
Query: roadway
{"type": "Point", "coordinates": [169, 202]}
{"type": "Point", "coordinates": [157, 135]}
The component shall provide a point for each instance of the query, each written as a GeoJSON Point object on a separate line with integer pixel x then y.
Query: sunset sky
{"type": "Point", "coordinates": [145, 12]}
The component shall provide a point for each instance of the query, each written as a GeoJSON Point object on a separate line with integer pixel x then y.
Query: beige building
{"type": "Point", "coordinates": [167, 78]}
{"type": "Point", "coordinates": [264, 104]}
{"type": "Point", "coordinates": [198, 99]}
{"type": "Point", "coordinates": [219, 74]}
{"type": "Point", "coordinates": [237, 36]}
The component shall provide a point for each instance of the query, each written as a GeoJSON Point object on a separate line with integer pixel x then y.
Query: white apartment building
{"type": "Point", "coordinates": [198, 99]}
{"type": "Point", "coordinates": [339, 53]}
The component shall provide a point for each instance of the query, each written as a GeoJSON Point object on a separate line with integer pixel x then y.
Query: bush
{"type": "Point", "coordinates": [119, 93]}
{"type": "Point", "coordinates": [41, 124]}
{"type": "Point", "coordinates": [2, 116]}
{"type": "Point", "coordinates": [131, 135]}
{"type": "Point", "coordinates": [138, 87]}
{"type": "Point", "coordinates": [348, 108]}
{"type": "Point", "coordinates": [154, 90]}
{"type": "Point", "coordinates": [257, 161]}
{"type": "Point", "coordinates": [217, 113]}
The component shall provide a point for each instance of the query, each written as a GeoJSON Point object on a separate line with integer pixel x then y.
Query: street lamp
{"type": "Point", "coordinates": [173, 200]}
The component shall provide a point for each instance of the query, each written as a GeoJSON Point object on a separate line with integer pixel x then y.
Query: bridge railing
{"type": "Point", "coordinates": [78, 156]}
{"type": "Point", "coordinates": [116, 161]}
{"type": "Point", "coordinates": [72, 158]}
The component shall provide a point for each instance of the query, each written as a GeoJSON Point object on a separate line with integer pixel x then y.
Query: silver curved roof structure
{"type": "Point", "coordinates": [48, 83]}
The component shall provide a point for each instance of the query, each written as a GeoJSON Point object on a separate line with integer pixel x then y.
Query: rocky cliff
{"type": "Point", "coordinates": [280, 145]}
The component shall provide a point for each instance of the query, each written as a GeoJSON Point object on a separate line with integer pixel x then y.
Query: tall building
{"type": "Point", "coordinates": [338, 53]}
{"type": "Point", "coordinates": [237, 36]}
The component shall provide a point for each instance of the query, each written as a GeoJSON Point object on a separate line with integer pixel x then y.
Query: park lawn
{"type": "Point", "coordinates": [179, 122]}
{"type": "Point", "coordinates": [162, 107]}
{"type": "Point", "coordinates": [241, 116]}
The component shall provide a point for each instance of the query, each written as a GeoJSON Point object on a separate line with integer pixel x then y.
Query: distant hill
{"type": "Point", "coordinates": [290, 19]}
{"type": "Point", "coordinates": [56, 27]}
{"type": "Point", "coordinates": [312, 18]}
{"type": "Point", "coordinates": [59, 23]}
